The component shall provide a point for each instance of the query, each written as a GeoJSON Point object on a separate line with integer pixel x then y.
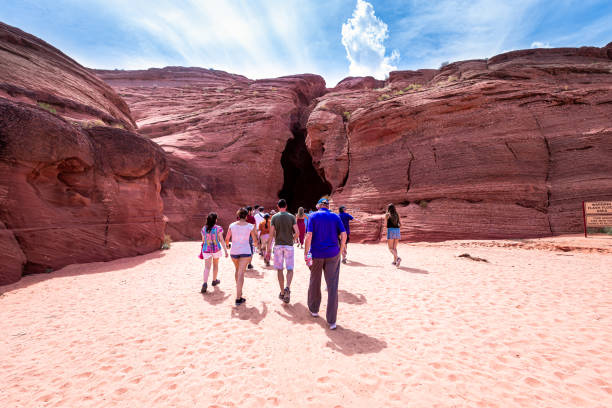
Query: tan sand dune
{"type": "Point", "coordinates": [529, 328]}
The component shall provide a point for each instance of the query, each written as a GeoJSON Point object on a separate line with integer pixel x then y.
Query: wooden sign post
{"type": "Point", "coordinates": [596, 214]}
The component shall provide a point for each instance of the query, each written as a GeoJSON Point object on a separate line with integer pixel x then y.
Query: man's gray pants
{"type": "Point", "coordinates": [331, 268]}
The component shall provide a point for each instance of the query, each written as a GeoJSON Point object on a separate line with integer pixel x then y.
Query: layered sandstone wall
{"type": "Point", "coordinates": [502, 148]}
{"type": "Point", "coordinates": [498, 148]}
{"type": "Point", "coordinates": [224, 136]}
{"type": "Point", "coordinates": [72, 195]}
{"type": "Point", "coordinates": [34, 72]}
{"type": "Point", "coordinates": [74, 186]}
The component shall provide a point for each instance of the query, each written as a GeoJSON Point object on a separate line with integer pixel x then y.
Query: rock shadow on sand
{"type": "Point", "coordinates": [84, 269]}
{"type": "Point", "coordinates": [215, 297]}
{"type": "Point", "coordinates": [251, 314]}
{"type": "Point", "coordinates": [342, 340]}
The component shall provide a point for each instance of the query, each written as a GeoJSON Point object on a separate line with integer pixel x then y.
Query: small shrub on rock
{"type": "Point", "coordinates": [167, 242]}
{"type": "Point", "coordinates": [47, 107]}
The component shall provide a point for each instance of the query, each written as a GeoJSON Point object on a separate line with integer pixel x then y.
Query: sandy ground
{"type": "Point", "coordinates": [532, 327]}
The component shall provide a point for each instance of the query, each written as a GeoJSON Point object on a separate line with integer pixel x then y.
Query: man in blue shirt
{"type": "Point", "coordinates": [346, 218]}
{"type": "Point", "coordinates": [325, 229]}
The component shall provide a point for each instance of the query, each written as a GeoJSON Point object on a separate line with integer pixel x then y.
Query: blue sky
{"type": "Point", "coordinates": [333, 38]}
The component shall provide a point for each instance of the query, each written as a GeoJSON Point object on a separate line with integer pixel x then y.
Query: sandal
{"type": "Point", "coordinates": [216, 282]}
{"type": "Point", "coordinates": [287, 296]}
{"type": "Point", "coordinates": [240, 301]}
{"type": "Point", "coordinates": [398, 261]}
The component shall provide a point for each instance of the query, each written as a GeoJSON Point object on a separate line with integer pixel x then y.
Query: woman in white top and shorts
{"type": "Point", "coordinates": [239, 233]}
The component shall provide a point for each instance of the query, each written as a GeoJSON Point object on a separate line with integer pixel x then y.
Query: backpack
{"type": "Point", "coordinates": [216, 239]}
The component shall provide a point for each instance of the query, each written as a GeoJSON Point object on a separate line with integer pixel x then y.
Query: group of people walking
{"type": "Point", "coordinates": [322, 234]}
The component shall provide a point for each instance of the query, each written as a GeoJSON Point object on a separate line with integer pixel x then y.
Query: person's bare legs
{"type": "Point", "coordinates": [281, 279]}
{"type": "Point", "coordinates": [289, 277]}
{"type": "Point", "coordinates": [397, 258]}
{"type": "Point", "coordinates": [236, 267]}
{"type": "Point", "coordinates": [215, 268]}
{"type": "Point", "coordinates": [242, 265]}
{"type": "Point", "coordinates": [207, 263]}
{"type": "Point", "coordinates": [392, 243]}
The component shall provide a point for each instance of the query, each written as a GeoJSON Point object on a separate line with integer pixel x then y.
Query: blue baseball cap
{"type": "Point", "coordinates": [323, 201]}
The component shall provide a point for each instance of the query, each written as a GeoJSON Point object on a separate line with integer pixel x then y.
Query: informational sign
{"type": "Point", "coordinates": [599, 220]}
{"type": "Point", "coordinates": [597, 214]}
{"type": "Point", "coordinates": [598, 207]}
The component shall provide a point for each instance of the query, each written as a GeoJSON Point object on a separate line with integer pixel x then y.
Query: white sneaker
{"type": "Point", "coordinates": [314, 314]}
{"type": "Point", "coordinates": [332, 326]}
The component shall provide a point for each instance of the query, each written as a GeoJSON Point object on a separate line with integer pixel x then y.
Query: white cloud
{"type": "Point", "coordinates": [540, 44]}
{"type": "Point", "coordinates": [363, 36]}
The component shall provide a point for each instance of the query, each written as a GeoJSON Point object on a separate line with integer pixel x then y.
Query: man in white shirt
{"type": "Point", "coordinates": [259, 217]}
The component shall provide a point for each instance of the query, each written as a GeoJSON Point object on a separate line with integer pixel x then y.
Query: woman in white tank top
{"type": "Point", "coordinates": [239, 232]}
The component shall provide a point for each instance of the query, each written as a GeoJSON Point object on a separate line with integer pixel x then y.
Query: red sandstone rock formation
{"type": "Point", "coordinates": [36, 73]}
{"type": "Point", "coordinates": [478, 149]}
{"type": "Point", "coordinates": [225, 136]}
{"type": "Point", "coordinates": [70, 191]}
{"type": "Point", "coordinates": [498, 148]}
{"type": "Point", "coordinates": [71, 195]}
{"type": "Point", "coordinates": [359, 83]}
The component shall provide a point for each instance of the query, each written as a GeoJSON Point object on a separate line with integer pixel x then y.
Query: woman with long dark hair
{"type": "Point", "coordinates": [264, 236]}
{"type": "Point", "coordinates": [393, 233]}
{"type": "Point", "coordinates": [241, 253]}
{"type": "Point", "coordinates": [301, 223]}
{"type": "Point", "coordinates": [212, 241]}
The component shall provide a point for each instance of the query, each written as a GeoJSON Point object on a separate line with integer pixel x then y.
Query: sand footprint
{"type": "Point", "coordinates": [532, 382]}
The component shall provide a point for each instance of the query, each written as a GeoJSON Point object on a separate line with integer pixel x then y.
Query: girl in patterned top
{"type": "Point", "coordinates": [212, 241]}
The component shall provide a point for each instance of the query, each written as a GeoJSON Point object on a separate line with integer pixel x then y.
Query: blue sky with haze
{"type": "Point", "coordinates": [333, 38]}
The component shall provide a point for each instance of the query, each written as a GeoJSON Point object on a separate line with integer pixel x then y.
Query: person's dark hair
{"type": "Point", "coordinates": [267, 216]}
{"type": "Point", "coordinates": [210, 221]}
{"type": "Point", "coordinates": [393, 213]}
{"type": "Point", "coordinates": [249, 208]}
{"type": "Point", "coordinates": [256, 207]}
{"type": "Point", "coordinates": [242, 213]}
{"type": "Point", "coordinates": [341, 209]}
{"type": "Point", "coordinates": [282, 203]}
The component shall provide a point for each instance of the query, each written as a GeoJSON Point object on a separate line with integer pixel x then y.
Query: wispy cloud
{"type": "Point", "coordinates": [363, 37]}
{"type": "Point", "coordinates": [257, 40]}
{"type": "Point", "coordinates": [540, 44]}
{"type": "Point", "coordinates": [452, 30]}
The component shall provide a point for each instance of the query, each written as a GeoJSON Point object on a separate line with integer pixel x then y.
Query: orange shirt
{"type": "Point", "coordinates": [264, 227]}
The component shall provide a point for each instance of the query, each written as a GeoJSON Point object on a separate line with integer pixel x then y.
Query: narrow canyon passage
{"type": "Point", "coordinates": [302, 186]}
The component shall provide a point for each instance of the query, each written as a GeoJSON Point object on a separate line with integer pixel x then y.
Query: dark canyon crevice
{"type": "Point", "coordinates": [302, 184]}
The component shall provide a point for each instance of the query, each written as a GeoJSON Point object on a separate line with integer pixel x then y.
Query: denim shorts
{"type": "Point", "coordinates": [393, 233]}
{"type": "Point", "coordinates": [241, 256]}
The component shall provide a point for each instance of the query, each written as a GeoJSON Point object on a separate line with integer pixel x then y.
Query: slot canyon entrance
{"type": "Point", "coordinates": [302, 185]}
